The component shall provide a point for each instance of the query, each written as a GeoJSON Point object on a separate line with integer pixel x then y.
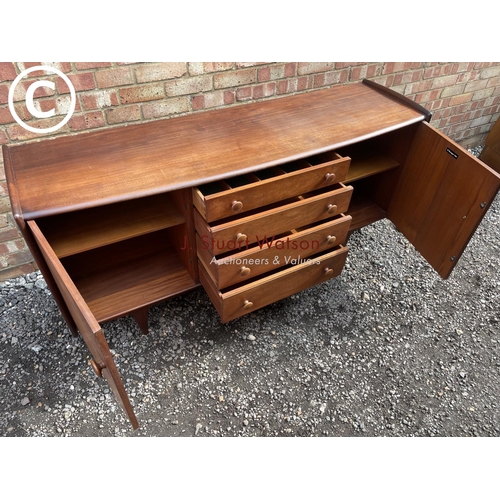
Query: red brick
{"type": "Point", "coordinates": [453, 90]}
{"type": "Point", "coordinates": [374, 70]}
{"type": "Point", "coordinates": [290, 69]}
{"type": "Point", "coordinates": [65, 67]}
{"type": "Point", "coordinates": [444, 81]}
{"type": "Point", "coordinates": [4, 94]}
{"type": "Point", "coordinates": [60, 105]}
{"type": "Point", "coordinates": [303, 83]}
{"type": "Point", "coordinates": [476, 85]}
{"type": "Point", "coordinates": [141, 93]}
{"type": "Point", "coordinates": [7, 71]}
{"type": "Point", "coordinates": [341, 65]}
{"type": "Point", "coordinates": [408, 77]}
{"type": "Point", "coordinates": [152, 72]}
{"type": "Point", "coordinates": [318, 80]}
{"type": "Point", "coordinates": [200, 68]}
{"type": "Point", "coordinates": [248, 64]}
{"type": "Point", "coordinates": [282, 87]}
{"type": "Point", "coordinates": [462, 67]}
{"type": "Point", "coordinates": [18, 258]}
{"type": "Point", "coordinates": [244, 93]}
{"type": "Point", "coordinates": [394, 67]}
{"type": "Point", "coordinates": [114, 77]}
{"type": "Point", "coordinates": [14, 272]}
{"type": "Point", "coordinates": [93, 119]}
{"type": "Point", "coordinates": [215, 99]}
{"type": "Point", "coordinates": [166, 107]}
{"type": "Point", "coordinates": [4, 220]}
{"type": "Point", "coordinates": [314, 67]}
{"type": "Point", "coordinates": [18, 133]}
{"type": "Point", "coordinates": [26, 65]}
{"type": "Point", "coordinates": [336, 77]}
{"type": "Point", "coordinates": [123, 114]}
{"type": "Point", "coordinates": [264, 74]}
{"type": "Point", "coordinates": [491, 72]}
{"type": "Point", "coordinates": [3, 140]}
{"type": "Point", "coordinates": [80, 81]}
{"type": "Point", "coordinates": [358, 73]}
{"type": "Point", "coordinates": [482, 94]}
{"type": "Point", "coordinates": [493, 82]}
{"type": "Point", "coordinates": [263, 90]}
{"type": "Point", "coordinates": [460, 99]}
{"type": "Point", "coordinates": [235, 78]}
{"type": "Point", "coordinates": [8, 234]}
{"type": "Point", "coordinates": [99, 99]}
{"type": "Point", "coordinates": [386, 81]}
{"type": "Point", "coordinates": [91, 65]}
{"type": "Point", "coordinates": [229, 97]}
{"type": "Point", "coordinates": [190, 85]}
{"type": "Point", "coordinates": [3, 188]}
{"type": "Point", "coordinates": [421, 86]}
{"type": "Point", "coordinates": [198, 102]}
{"type": "Point", "coordinates": [5, 115]}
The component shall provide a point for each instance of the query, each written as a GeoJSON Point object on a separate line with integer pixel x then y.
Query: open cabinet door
{"type": "Point", "coordinates": [441, 196]}
{"type": "Point", "coordinates": [86, 323]}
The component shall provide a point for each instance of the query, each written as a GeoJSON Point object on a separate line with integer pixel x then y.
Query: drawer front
{"type": "Point", "coordinates": [262, 292]}
{"type": "Point", "coordinates": [269, 186]}
{"type": "Point", "coordinates": [244, 231]}
{"type": "Point", "coordinates": [272, 253]}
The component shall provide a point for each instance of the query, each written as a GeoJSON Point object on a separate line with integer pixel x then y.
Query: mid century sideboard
{"type": "Point", "coordinates": [254, 202]}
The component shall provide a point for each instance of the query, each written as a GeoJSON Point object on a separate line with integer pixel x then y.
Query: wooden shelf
{"type": "Point", "coordinates": [366, 163]}
{"type": "Point", "coordinates": [363, 212]}
{"type": "Point", "coordinates": [75, 232]}
{"type": "Point", "coordinates": [117, 279]}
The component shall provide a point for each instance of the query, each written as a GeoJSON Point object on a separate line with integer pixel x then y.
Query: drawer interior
{"type": "Point", "coordinates": [238, 181]}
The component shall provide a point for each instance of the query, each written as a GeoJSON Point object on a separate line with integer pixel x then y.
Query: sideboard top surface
{"type": "Point", "coordinates": [97, 168]}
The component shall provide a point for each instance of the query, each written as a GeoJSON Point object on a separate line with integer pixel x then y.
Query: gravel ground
{"type": "Point", "coordinates": [386, 349]}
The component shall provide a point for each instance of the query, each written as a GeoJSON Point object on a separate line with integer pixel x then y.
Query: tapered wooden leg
{"type": "Point", "coordinates": [141, 316]}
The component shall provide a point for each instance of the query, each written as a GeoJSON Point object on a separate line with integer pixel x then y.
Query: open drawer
{"type": "Point", "coordinates": [240, 300]}
{"type": "Point", "coordinates": [239, 232]}
{"type": "Point", "coordinates": [272, 253]}
{"type": "Point", "coordinates": [221, 199]}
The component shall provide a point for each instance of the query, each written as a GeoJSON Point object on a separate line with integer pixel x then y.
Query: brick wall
{"type": "Point", "coordinates": [463, 97]}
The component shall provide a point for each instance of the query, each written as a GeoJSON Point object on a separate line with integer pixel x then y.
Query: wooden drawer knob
{"type": "Point", "coordinates": [328, 271]}
{"type": "Point", "coordinates": [331, 239]}
{"type": "Point", "coordinates": [247, 305]}
{"type": "Point", "coordinates": [329, 177]}
{"type": "Point", "coordinates": [236, 206]}
{"type": "Point", "coordinates": [241, 238]}
{"type": "Point", "coordinates": [332, 209]}
{"type": "Point", "coordinates": [244, 271]}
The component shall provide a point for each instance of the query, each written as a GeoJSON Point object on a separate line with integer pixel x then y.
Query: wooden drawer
{"type": "Point", "coordinates": [240, 232]}
{"type": "Point", "coordinates": [272, 253]}
{"type": "Point", "coordinates": [242, 193]}
{"type": "Point", "coordinates": [236, 302]}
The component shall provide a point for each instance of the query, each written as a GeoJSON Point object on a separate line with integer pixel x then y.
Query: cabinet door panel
{"type": "Point", "coordinates": [86, 323]}
{"type": "Point", "coordinates": [442, 195]}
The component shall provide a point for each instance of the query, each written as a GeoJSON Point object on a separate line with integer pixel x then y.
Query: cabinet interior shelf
{"type": "Point", "coordinates": [366, 163]}
{"type": "Point", "coordinates": [119, 278]}
{"type": "Point", "coordinates": [74, 232]}
{"type": "Point", "coordinates": [363, 212]}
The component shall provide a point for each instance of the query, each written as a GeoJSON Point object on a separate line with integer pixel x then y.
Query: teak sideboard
{"type": "Point", "coordinates": [254, 202]}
